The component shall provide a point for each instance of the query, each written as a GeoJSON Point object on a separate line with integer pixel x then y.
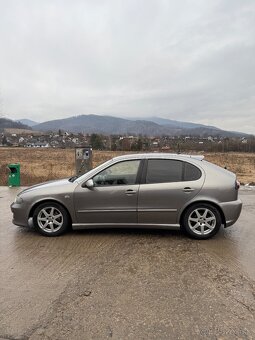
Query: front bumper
{"type": "Point", "coordinates": [20, 214]}
{"type": "Point", "coordinates": [231, 211]}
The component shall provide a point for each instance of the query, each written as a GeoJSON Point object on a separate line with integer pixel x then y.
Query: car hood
{"type": "Point", "coordinates": [48, 185]}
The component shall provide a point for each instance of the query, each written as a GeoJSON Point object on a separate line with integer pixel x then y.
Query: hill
{"type": "Point", "coordinates": [11, 124]}
{"type": "Point", "coordinates": [102, 124]}
{"type": "Point", "coordinates": [27, 122]}
{"type": "Point", "coordinates": [177, 124]}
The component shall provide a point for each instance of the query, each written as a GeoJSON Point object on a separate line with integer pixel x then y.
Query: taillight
{"type": "Point", "coordinates": [237, 185]}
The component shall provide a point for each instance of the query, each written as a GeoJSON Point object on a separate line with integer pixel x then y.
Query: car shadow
{"type": "Point", "coordinates": [129, 232]}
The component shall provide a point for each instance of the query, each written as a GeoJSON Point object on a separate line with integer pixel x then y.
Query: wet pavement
{"type": "Point", "coordinates": [127, 284]}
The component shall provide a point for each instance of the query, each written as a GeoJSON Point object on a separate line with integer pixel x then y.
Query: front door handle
{"type": "Point", "coordinates": [188, 189]}
{"type": "Point", "coordinates": [130, 192]}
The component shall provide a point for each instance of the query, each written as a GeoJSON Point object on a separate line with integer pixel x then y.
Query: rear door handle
{"type": "Point", "coordinates": [188, 189]}
{"type": "Point", "coordinates": [130, 192]}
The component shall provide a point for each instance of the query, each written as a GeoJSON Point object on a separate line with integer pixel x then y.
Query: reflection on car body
{"type": "Point", "coordinates": [141, 190]}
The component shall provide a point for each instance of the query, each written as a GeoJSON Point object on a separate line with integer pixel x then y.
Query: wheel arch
{"type": "Point", "coordinates": [46, 200]}
{"type": "Point", "coordinates": [215, 205]}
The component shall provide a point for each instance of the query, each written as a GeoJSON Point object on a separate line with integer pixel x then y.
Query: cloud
{"type": "Point", "coordinates": [186, 60]}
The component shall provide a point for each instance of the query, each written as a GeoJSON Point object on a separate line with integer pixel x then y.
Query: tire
{"type": "Point", "coordinates": [51, 219]}
{"type": "Point", "coordinates": [201, 221]}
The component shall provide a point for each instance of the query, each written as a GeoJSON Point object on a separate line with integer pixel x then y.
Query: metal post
{"type": "Point", "coordinates": [83, 160]}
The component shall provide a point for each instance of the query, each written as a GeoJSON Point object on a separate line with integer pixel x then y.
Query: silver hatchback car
{"type": "Point", "coordinates": [141, 190]}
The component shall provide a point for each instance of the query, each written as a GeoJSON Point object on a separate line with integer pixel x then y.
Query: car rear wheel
{"type": "Point", "coordinates": [50, 219]}
{"type": "Point", "coordinates": [201, 221]}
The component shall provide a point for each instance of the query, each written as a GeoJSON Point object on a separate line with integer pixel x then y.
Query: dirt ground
{"type": "Point", "coordinates": [40, 165]}
{"type": "Point", "coordinates": [127, 284]}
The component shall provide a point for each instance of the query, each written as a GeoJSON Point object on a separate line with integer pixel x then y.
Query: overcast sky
{"type": "Point", "coordinates": [184, 60]}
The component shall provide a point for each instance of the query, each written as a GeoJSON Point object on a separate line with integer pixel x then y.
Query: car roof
{"type": "Point", "coordinates": [157, 155]}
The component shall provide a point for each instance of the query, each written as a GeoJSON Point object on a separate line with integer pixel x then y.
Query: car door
{"type": "Point", "coordinates": [113, 198]}
{"type": "Point", "coordinates": [167, 185]}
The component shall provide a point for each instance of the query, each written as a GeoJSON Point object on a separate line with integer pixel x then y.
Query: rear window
{"type": "Point", "coordinates": [191, 172]}
{"type": "Point", "coordinates": [168, 170]}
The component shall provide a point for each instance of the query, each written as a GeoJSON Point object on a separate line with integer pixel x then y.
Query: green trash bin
{"type": "Point", "coordinates": [14, 175]}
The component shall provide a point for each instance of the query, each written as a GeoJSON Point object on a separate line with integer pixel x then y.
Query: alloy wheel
{"type": "Point", "coordinates": [202, 221]}
{"type": "Point", "coordinates": [50, 219]}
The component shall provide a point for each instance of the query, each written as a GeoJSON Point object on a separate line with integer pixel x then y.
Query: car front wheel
{"type": "Point", "coordinates": [50, 219]}
{"type": "Point", "coordinates": [201, 221]}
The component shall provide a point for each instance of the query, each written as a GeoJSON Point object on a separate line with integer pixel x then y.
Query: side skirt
{"type": "Point", "coordinates": [78, 226]}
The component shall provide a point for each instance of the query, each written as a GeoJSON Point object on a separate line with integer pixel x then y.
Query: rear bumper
{"type": "Point", "coordinates": [231, 211]}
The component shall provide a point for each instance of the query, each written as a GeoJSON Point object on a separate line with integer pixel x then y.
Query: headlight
{"type": "Point", "coordinates": [18, 200]}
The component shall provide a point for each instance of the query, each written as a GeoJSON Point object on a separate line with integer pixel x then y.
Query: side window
{"type": "Point", "coordinates": [163, 171]}
{"type": "Point", "coordinates": [123, 173]}
{"type": "Point", "coordinates": [191, 172]}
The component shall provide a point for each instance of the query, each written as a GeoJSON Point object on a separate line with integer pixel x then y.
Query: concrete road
{"type": "Point", "coordinates": [127, 284]}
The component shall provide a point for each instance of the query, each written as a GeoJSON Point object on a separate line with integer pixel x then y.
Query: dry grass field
{"type": "Point", "coordinates": [39, 165]}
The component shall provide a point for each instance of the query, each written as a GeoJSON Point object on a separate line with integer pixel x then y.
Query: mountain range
{"type": "Point", "coordinates": [109, 125]}
{"type": "Point", "coordinates": [151, 126]}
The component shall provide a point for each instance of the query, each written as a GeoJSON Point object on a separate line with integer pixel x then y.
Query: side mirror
{"type": "Point", "coordinates": [89, 184]}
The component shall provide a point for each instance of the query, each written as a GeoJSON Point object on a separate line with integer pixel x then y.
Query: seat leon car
{"type": "Point", "coordinates": [140, 191]}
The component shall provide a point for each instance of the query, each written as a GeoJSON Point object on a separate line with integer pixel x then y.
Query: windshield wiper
{"type": "Point", "coordinates": [73, 178]}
